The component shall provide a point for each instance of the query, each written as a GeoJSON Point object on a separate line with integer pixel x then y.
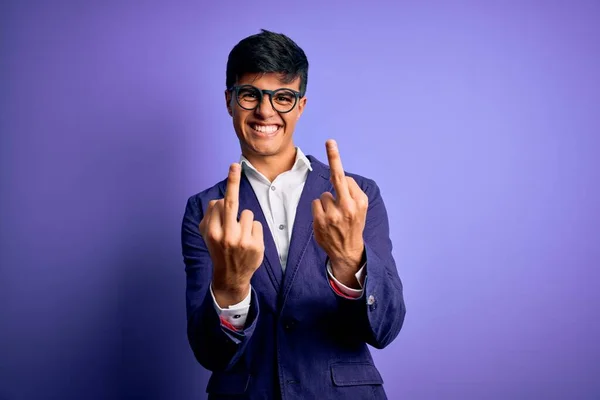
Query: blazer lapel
{"type": "Point", "coordinates": [316, 183]}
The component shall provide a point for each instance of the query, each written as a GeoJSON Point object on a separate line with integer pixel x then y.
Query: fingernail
{"type": "Point", "coordinates": [234, 167]}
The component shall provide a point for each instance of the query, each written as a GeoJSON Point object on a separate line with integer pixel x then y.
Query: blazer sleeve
{"type": "Point", "coordinates": [215, 346]}
{"type": "Point", "coordinates": [378, 314]}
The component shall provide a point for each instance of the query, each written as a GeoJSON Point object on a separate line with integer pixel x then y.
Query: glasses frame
{"type": "Point", "coordinates": [236, 90]}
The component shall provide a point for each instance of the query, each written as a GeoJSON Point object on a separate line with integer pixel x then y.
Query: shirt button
{"type": "Point", "coordinates": [281, 227]}
{"type": "Point", "coordinates": [236, 316]}
{"type": "Point", "coordinates": [371, 300]}
{"type": "Point", "coordinates": [273, 188]}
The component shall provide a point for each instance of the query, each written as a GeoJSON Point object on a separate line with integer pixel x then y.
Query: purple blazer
{"type": "Point", "coordinates": [301, 340]}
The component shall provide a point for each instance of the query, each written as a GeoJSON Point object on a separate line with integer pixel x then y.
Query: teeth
{"type": "Point", "coordinates": [265, 129]}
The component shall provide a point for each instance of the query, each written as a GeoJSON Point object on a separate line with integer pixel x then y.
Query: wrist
{"type": "Point", "coordinates": [226, 296]}
{"type": "Point", "coordinates": [345, 269]}
{"type": "Point", "coordinates": [347, 279]}
{"type": "Point", "coordinates": [349, 264]}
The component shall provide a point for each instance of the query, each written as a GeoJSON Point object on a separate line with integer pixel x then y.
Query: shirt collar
{"type": "Point", "coordinates": [302, 162]}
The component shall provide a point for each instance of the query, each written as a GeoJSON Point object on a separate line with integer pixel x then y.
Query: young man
{"type": "Point", "coordinates": [289, 263]}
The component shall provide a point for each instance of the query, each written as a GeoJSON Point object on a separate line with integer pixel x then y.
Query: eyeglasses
{"type": "Point", "coordinates": [249, 97]}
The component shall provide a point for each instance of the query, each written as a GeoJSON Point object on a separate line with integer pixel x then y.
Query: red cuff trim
{"type": "Point", "coordinates": [337, 290]}
{"type": "Point", "coordinates": [227, 324]}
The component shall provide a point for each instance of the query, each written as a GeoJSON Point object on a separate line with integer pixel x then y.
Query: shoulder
{"type": "Point", "coordinates": [197, 202]}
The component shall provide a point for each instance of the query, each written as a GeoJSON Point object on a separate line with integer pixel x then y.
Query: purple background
{"type": "Point", "coordinates": [480, 123]}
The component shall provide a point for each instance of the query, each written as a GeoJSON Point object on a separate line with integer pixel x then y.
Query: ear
{"type": "Point", "coordinates": [228, 102]}
{"type": "Point", "coordinates": [301, 105]}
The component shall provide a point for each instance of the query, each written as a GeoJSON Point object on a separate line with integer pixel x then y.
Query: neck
{"type": "Point", "coordinates": [273, 166]}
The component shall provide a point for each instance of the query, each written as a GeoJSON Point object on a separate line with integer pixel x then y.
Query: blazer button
{"type": "Point", "coordinates": [289, 325]}
{"type": "Point", "coordinates": [371, 300]}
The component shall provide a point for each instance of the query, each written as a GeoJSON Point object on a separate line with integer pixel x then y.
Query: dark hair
{"type": "Point", "coordinates": [268, 52]}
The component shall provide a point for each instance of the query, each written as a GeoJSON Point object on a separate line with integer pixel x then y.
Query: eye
{"type": "Point", "coordinates": [248, 94]}
{"type": "Point", "coordinates": [284, 98]}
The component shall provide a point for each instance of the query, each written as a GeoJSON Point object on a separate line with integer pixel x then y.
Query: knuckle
{"type": "Point", "coordinates": [228, 242]}
{"type": "Point", "coordinates": [258, 245]}
{"type": "Point", "coordinates": [229, 203]}
{"type": "Point", "coordinates": [332, 218]}
{"type": "Point", "coordinates": [347, 206]}
{"type": "Point", "coordinates": [364, 202]}
{"type": "Point", "coordinates": [257, 231]}
{"type": "Point", "coordinates": [216, 205]}
{"type": "Point", "coordinates": [247, 214]}
{"type": "Point", "coordinates": [348, 215]}
{"type": "Point", "coordinates": [345, 202]}
{"type": "Point", "coordinates": [213, 235]}
{"type": "Point", "coordinates": [245, 245]}
{"type": "Point", "coordinates": [352, 207]}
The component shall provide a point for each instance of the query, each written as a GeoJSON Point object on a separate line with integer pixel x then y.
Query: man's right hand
{"type": "Point", "coordinates": [236, 248]}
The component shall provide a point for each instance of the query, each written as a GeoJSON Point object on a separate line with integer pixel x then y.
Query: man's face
{"type": "Point", "coordinates": [264, 131]}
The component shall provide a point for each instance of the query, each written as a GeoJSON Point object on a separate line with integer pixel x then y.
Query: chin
{"type": "Point", "coordinates": [264, 150]}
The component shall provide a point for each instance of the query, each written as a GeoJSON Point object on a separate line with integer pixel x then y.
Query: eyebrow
{"type": "Point", "coordinates": [272, 90]}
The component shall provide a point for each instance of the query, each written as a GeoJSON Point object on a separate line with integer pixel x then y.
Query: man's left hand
{"type": "Point", "coordinates": [339, 222]}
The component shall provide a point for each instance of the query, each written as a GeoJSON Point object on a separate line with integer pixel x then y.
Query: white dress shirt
{"type": "Point", "coordinates": [279, 200]}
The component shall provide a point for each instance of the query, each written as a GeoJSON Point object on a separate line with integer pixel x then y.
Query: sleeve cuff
{"type": "Point", "coordinates": [234, 316]}
{"type": "Point", "coordinates": [343, 290]}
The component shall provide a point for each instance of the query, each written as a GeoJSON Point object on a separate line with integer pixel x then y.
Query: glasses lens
{"type": "Point", "coordinates": [284, 100]}
{"type": "Point", "coordinates": [248, 97]}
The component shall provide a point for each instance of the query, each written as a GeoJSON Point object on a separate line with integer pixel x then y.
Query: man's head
{"type": "Point", "coordinates": [266, 82]}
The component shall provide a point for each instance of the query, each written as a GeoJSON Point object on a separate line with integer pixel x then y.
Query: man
{"type": "Point", "coordinates": [288, 261]}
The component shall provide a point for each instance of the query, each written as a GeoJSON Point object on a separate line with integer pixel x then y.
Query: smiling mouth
{"type": "Point", "coordinates": [265, 130]}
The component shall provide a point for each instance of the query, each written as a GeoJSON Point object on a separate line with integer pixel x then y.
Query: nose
{"type": "Point", "coordinates": [265, 109]}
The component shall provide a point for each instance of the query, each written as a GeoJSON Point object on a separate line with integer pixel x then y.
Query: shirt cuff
{"type": "Point", "coordinates": [344, 290]}
{"type": "Point", "coordinates": [234, 316]}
